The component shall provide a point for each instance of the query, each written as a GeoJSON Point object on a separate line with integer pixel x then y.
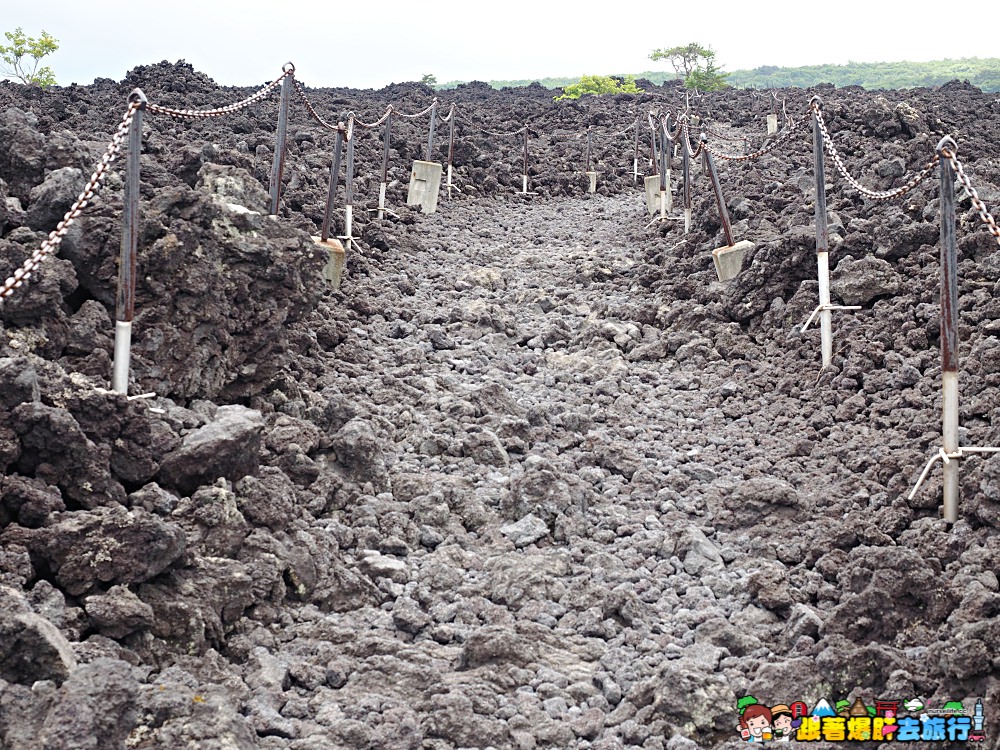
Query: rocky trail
{"type": "Point", "coordinates": [531, 478]}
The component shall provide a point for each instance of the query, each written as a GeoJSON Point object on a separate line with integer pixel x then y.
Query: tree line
{"type": "Point", "coordinates": [984, 73]}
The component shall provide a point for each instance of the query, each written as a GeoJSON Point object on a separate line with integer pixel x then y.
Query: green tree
{"type": "Point", "coordinates": [20, 47]}
{"type": "Point", "coordinates": [696, 64]}
{"type": "Point", "coordinates": [430, 79]}
{"type": "Point", "coordinates": [742, 703]}
{"type": "Point", "coordinates": [598, 85]}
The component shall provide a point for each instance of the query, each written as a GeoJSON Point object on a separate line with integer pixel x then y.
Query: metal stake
{"type": "Point", "coordinates": [277, 168]}
{"type": "Point", "coordinates": [385, 163]}
{"type": "Point", "coordinates": [524, 173]}
{"type": "Point", "coordinates": [334, 178]}
{"type": "Point", "coordinates": [125, 303]}
{"type": "Point", "coordinates": [686, 168]}
{"type": "Point", "coordinates": [430, 136]}
{"type": "Point", "coordinates": [949, 331]}
{"type": "Point", "coordinates": [349, 185]}
{"type": "Point", "coordinates": [822, 240]}
{"type": "Point", "coordinates": [590, 136]}
{"type": "Point", "coordinates": [635, 158]}
{"type": "Point", "coordinates": [451, 145]}
{"type": "Point", "coordinates": [719, 199]}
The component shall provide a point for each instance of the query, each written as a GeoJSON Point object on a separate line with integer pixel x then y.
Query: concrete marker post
{"type": "Point", "coordinates": [425, 179]}
{"type": "Point", "coordinates": [278, 167]}
{"type": "Point", "coordinates": [125, 301]}
{"type": "Point", "coordinates": [728, 260]}
{"type": "Point", "coordinates": [949, 334]}
{"type": "Point", "coordinates": [772, 124]}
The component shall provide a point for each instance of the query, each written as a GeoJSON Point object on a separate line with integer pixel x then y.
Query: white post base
{"type": "Point", "coordinates": [825, 316]}
{"type": "Point", "coordinates": [381, 200]}
{"type": "Point", "coordinates": [348, 226]}
{"type": "Point", "coordinates": [949, 385]}
{"type": "Point", "coordinates": [123, 354]}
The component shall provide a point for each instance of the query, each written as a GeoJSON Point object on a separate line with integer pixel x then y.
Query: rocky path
{"type": "Point", "coordinates": [551, 524]}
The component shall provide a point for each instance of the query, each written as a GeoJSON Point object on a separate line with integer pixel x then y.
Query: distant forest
{"type": "Point", "coordinates": [983, 73]}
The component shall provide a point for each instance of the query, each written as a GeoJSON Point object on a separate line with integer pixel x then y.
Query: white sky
{"type": "Point", "coordinates": [376, 42]}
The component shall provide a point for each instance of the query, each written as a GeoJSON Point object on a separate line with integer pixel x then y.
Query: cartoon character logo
{"type": "Point", "coordinates": [755, 720]}
{"type": "Point", "coordinates": [755, 723]}
{"type": "Point", "coordinates": [783, 723]}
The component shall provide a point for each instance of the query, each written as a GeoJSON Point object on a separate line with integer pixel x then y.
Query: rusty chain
{"type": "Point", "coordinates": [312, 110]}
{"type": "Point", "coordinates": [984, 215]}
{"type": "Point", "coordinates": [692, 153]}
{"type": "Point", "coordinates": [784, 136]}
{"type": "Point", "coordinates": [202, 114]}
{"type": "Point", "coordinates": [879, 195]}
{"type": "Point", "coordinates": [419, 114]}
{"type": "Point", "coordinates": [51, 243]}
{"type": "Point", "coordinates": [371, 125]}
{"type": "Point", "coordinates": [478, 129]}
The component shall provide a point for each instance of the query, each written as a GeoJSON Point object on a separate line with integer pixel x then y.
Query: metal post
{"type": "Point", "coordinates": [652, 152]}
{"type": "Point", "coordinates": [125, 303]}
{"type": "Point", "coordinates": [451, 145]}
{"type": "Point", "coordinates": [949, 329]}
{"type": "Point", "coordinates": [349, 185]}
{"type": "Point", "coordinates": [430, 135]}
{"type": "Point", "coordinates": [385, 163]}
{"type": "Point", "coordinates": [524, 173]}
{"type": "Point", "coordinates": [590, 140]}
{"type": "Point", "coordinates": [719, 199]}
{"type": "Point", "coordinates": [664, 169]}
{"type": "Point", "coordinates": [822, 240]}
{"type": "Point", "coordinates": [635, 157]}
{"type": "Point", "coordinates": [686, 167]}
{"type": "Point", "coordinates": [334, 178]}
{"type": "Point", "coordinates": [278, 167]}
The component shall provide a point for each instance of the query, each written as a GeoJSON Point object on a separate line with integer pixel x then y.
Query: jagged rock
{"type": "Point", "coordinates": [227, 446]}
{"type": "Point", "coordinates": [108, 544]}
{"type": "Point", "coordinates": [31, 647]}
{"type": "Point", "coordinates": [49, 202]}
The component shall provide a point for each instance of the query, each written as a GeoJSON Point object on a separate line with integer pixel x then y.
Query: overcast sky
{"type": "Point", "coordinates": [373, 43]}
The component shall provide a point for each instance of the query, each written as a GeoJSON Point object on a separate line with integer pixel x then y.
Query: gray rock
{"type": "Point", "coordinates": [105, 545]}
{"type": "Point", "coordinates": [31, 647]}
{"type": "Point", "coordinates": [859, 282]}
{"type": "Point", "coordinates": [51, 200]}
{"type": "Point", "coordinates": [526, 531]}
{"type": "Point", "coordinates": [228, 446]}
{"type": "Point", "coordinates": [118, 612]}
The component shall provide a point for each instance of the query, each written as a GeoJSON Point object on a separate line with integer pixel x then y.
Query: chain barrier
{"type": "Point", "coordinates": [418, 114]}
{"type": "Point", "coordinates": [52, 242]}
{"type": "Point", "coordinates": [873, 194]}
{"type": "Point", "coordinates": [692, 153]}
{"type": "Point", "coordinates": [50, 245]}
{"type": "Point", "coordinates": [203, 114]}
{"type": "Point", "coordinates": [312, 110]}
{"type": "Point", "coordinates": [371, 125]}
{"type": "Point", "coordinates": [484, 131]}
{"type": "Point", "coordinates": [784, 136]}
{"type": "Point", "coordinates": [984, 215]}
